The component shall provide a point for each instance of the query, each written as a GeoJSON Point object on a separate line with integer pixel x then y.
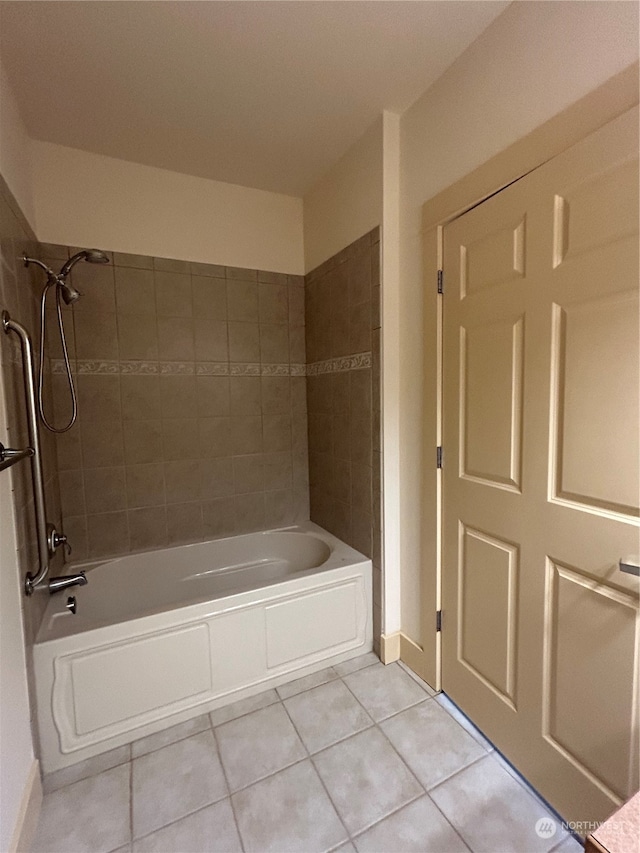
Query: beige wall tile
{"type": "Point", "coordinates": [248, 474]}
{"type": "Point", "coordinates": [242, 301]}
{"type": "Point", "coordinates": [72, 492]}
{"type": "Point", "coordinates": [246, 434]}
{"type": "Point", "coordinates": [276, 433]}
{"type": "Point", "coordinates": [209, 297]}
{"type": "Point", "coordinates": [105, 489]}
{"type": "Point", "coordinates": [276, 395]}
{"type": "Point", "coordinates": [214, 437]}
{"type": "Point", "coordinates": [249, 511]}
{"type": "Point", "coordinates": [273, 303]}
{"type": "Point", "coordinates": [140, 397]}
{"type": "Point", "coordinates": [297, 345]}
{"type": "Point", "coordinates": [274, 344]}
{"type": "Point", "coordinates": [180, 439]}
{"type": "Point", "coordinates": [178, 396]}
{"type": "Point", "coordinates": [211, 340]}
{"type": "Point", "coordinates": [173, 294]}
{"type": "Point", "coordinates": [341, 335]}
{"type": "Point", "coordinates": [171, 265]}
{"type": "Point", "coordinates": [278, 471]}
{"type": "Point", "coordinates": [96, 336]}
{"type": "Point", "coordinates": [108, 533]}
{"type": "Point", "coordinates": [69, 449]}
{"type": "Point", "coordinates": [244, 342]}
{"type": "Point", "coordinates": [279, 508]}
{"type": "Point", "coordinates": [296, 305]}
{"type": "Point", "coordinates": [360, 327]}
{"type": "Point", "coordinates": [145, 485]}
{"type": "Point", "coordinates": [216, 478]}
{"type": "Point", "coordinates": [99, 397]}
{"type": "Point", "coordinates": [245, 395]}
{"type": "Point", "coordinates": [361, 493]}
{"type": "Point", "coordinates": [176, 339]}
{"type": "Point", "coordinates": [102, 443]}
{"type": "Point", "coordinates": [212, 394]}
{"type": "Point", "coordinates": [137, 337]}
{"type": "Point", "coordinates": [147, 528]}
{"type": "Point", "coordinates": [135, 291]}
{"type": "Point", "coordinates": [209, 270]}
{"type": "Point", "coordinates": [359, 272]}
{"type": "Point", "coordinates": [184, 523]}
{"type": "Point", "coordinates": [218, 518]}
{"type": "Point", "coordinates": [142, 441]}
{"type": "Point", "coordinates": [182, 481]}
{"type": "Point", "coordinates": [123, 259]}
{"type": "Point", "coordinates": [241, 274]}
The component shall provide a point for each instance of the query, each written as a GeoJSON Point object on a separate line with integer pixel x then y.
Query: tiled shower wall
{"type": "Point", "coordinates": [343, 397]}
{"type": "Point", "coordinates": [192, 403]}
{"type": "Point", "coordinates": [19, 295]}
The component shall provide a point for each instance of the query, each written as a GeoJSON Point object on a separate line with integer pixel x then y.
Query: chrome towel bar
{"type": "Point", "coordinates": [9, 457]}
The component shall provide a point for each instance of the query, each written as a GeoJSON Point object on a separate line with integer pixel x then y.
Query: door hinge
{"type": "Point", "coordinates": [440, 281]}
{"type": "Point", "coordinates": [438, 457]}
{"type": "Point", "coordinates": [438, 620]}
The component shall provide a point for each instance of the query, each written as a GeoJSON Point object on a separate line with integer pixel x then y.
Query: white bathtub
{"type": "Point", "coordinates": [167, 635]}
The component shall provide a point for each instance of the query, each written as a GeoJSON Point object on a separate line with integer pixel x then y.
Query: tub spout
{"type": "Point", "coordinates": [56, 584]}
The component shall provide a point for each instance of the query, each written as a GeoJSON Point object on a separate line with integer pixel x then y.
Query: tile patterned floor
{"type": "Point", "coordinates": [358, 757]}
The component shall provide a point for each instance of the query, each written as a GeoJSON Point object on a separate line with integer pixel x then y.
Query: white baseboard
{"type": "Point", "coordinates": [28, 813]}
{"type": "Point", "coordinates": [390, 647]}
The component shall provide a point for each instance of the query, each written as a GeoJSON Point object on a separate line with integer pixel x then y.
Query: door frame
{"type": "Point", "coordinates": [602, 105]}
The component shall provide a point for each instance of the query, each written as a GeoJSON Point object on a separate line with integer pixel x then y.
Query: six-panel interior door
{"type": "Point", "coordinates": [541, 471]}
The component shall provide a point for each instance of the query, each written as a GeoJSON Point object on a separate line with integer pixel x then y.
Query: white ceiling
{"type": "Point", "coordinates": [262, 94]}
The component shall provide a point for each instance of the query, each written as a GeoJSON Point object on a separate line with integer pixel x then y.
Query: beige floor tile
{"type": "Point", "coordinates": [288, 812]}
{"type": "Point", "coordinates": [491, 811]}
{"type": "Point", "coordinates": [443, 700]}
{"type": "Point", "coordinates": [385, 690]}
{"type": "Point", "coordinates": [298, 685]}
{"type": "Point", "coordinates": [326, 714]}
{"type": "Point", "coordinates": [416, 828]}
{"type": "Point", "coordinates": [431, 742]}
{"type": "Point", "coordinates": [242, 707]}
{"type": "Point", "coordinates": [174, 781]}
{"type": "Point", "coordinates": [169, 735]}
{"type": "Point", "coordinates": [210, 830]}
{"type": "Point", "coordinates": [354, 664]}
{"type": "Point", "coordinates": [84, 769]}
{"type": "Point", "coordinates": [90, 816]}
{"type": "Point", "coordinates": [366, 779]}
{"type": "Point", "coordinates": [258, 744]}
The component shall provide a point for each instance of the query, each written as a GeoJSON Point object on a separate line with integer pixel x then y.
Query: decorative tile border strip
{"type": "Point", "coordinates": [360, 361]}
{"type": "Point", "coordinates": [175, 368]}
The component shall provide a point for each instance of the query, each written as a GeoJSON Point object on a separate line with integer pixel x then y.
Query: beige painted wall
{"type": "Point", "coordinates": [531, 63]}
{"type": "Point", "coordinates": [347, 202]}
{"type": "Point", "coordinates": [15, 162]}
{"type": "Point", "coordinates": [85, 199]}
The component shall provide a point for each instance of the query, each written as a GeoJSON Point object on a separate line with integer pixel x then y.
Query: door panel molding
{"type": "Point", "coordinates": [597, 108]}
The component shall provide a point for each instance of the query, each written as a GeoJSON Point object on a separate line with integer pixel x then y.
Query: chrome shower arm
{"type": "Point", "coordinates": [9, 325]}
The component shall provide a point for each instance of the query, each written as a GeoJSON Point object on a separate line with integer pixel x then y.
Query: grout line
{"type": "Point", "coordinates": [315, 770]}
{"type": "Point", "coordinates": [224, 773]}
{"type": "Point", "coordinates": [456, 772]}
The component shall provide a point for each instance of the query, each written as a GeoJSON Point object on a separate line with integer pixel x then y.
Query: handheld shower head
{"type": "Point", "coordinates": [68, 292]}
{"type": "Point", "coordinates": [92, 256]}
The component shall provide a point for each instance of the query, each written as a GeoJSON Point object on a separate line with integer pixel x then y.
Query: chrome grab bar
{"type": "Point", "coordinates": [9, 325]}
{"type": "Point", "coordinates": [9, 457]}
